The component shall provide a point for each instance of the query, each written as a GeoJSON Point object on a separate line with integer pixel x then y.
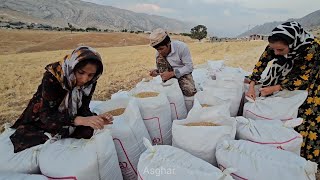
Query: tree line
{"type": "Point", "coordinates": [198, 32]}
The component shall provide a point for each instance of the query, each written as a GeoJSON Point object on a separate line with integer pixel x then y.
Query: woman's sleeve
{"type": "Point", "coordinates": [85, 132]}
{"type": "Point", "coordinates": [52, 95]}
{"type": "Point", "coordinates": [84, 109]}
{"type": "Point", "coordinates": [298, 77]}
{"type": "Point", "coordinates": [260, 66]}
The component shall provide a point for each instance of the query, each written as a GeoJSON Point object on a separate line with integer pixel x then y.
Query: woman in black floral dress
{"type": "Point", "coordinates": [61, 104]}
{"type": "Point", "coordinates": [296, 64]}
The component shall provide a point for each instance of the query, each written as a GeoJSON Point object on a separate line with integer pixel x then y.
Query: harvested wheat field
{"type": "Point", "coordinates": [24, 54]}
{"type": "Point", "coordinates": [124, 66]}
{"type": "Point", "coordinates": [21, 41]}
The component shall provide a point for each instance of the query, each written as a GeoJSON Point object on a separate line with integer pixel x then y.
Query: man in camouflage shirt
{"type": "Point", "coordinates": [173, 60]}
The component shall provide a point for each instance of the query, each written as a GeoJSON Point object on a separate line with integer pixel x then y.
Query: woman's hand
{"type": "Point", "coordinates": [269, 90]}
{"type": "Point", "coordinates": [96, 122]}
{"type": "Point", "coordinates": [108, 118]}
{"type": "Point", "coordinates": [251, 92]}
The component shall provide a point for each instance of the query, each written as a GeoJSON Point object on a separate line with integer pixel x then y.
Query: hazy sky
{"type": "Point", "coordinates": [221, 17]}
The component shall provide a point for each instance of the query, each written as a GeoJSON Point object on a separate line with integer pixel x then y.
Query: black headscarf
{"type": "Point", "coordinates": [298, 39]}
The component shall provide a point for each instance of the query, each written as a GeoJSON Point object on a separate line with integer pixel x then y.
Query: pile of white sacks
{"type": "Point", "coordinates": [152, 139]}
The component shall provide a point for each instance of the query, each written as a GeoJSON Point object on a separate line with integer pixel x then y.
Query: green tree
{"type": "Point", "coordinates": [199, 32]}
{"type": "Point", "coordinates": [71, 27]}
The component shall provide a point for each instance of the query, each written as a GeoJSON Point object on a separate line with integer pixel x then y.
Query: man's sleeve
{"type": "Point", "coordinates": [187, 61]}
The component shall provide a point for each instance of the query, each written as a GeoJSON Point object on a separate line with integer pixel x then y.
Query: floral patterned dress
{"type": "Point", "coordinates": [42, 115]}
{"type": "Point", "coordinates": [303, 76]}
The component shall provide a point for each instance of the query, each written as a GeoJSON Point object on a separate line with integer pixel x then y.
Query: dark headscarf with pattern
{"type": "Point", "coordinates": [297, 39]}
{"type": "Point", "coordinates": [64, 72]}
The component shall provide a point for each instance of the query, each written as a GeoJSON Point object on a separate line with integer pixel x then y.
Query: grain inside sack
{"type": "Point", "coordinates": [117, 112]}
{"type": "Point", "coordinates": [146, 94]}
{"type": "Point", "coordinates": [201, 124]}
{"type": "Point", "coordinates": [205, 105]}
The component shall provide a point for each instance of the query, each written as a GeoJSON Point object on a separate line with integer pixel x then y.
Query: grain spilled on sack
{"type": "Point", "coordinates": [146, 94]}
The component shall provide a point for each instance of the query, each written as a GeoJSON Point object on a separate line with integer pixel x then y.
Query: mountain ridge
{"type": "Point", "coordinates": [86, 14]}
{"type": "Point", "coordinates": [310, 21]}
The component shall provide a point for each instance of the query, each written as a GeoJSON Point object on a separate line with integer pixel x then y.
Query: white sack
{"type": "Point", "coordinates": [256, 161]}
{"type": "Point", "coordinates": [128, 130]}
{"type": "Point", "coordinates": [156, 114]}
{"type": "Point", "coordinates": [25, 161]}
{"type": "Point", "coordinates": [283, 106]}
{"type": "Point", "coordinates": [201, 141]}
{"type": "Point", "coordinates": [170, 163]}
{"type": "Point", "coordinates": [94, 158]}
{"type": "Point", "coordinates": [271, 133]}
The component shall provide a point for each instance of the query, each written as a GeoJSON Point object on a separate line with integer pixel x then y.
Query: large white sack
{"type": "Point", "coordinates": [20, 176]}
{"type": "Point", "coordinates": [157, 79]}
{"type": "Point", "coordinates": [225, 83]}
{"type": "Point", "coordinates": [200, 75]}
{"type": "Point", "coordinates": [189, 100]}
{"type": "Point", "coordinates": [84, 159]}
{"type": "Point", "coordinates": [271, 133]}
{"type": "Point", "coordinates": [231, 74]}
{"type": "Point", "coordinates": [222, 107]}
{"type": "Point", "coordinates": [256, 161]}
{"type": "Point", "coordinates": [214, 67]}
{"type": "Point", "coordinates": [94, 104]}
{"type": "Point", "coordinates": [156, 114]}
{"type": "Point", "coordinates": [283, 106]}
{"type": "Point", "coordinates": [201, 141]}
{"type": "Point", "coordinates": [226, 90]}
{"type": "Point", "coordinates": [174, 94]}
{"type": "Point", "coordinates": [120, 95]}
{"type": "Point", "coordinates": [127, 131]}
{"type": "Point", "coordinates": [25, 161]}
{"type": "Point", "coordinates": [256, 89]}
{"type": "Point", "coordinates": [170, 163]}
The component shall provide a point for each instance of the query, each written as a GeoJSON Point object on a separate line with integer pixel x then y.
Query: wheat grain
{"type": "Point", "coordinates": [146, 94]}
{"type": "Point", "coordinates": [117, 112]}
{"type": "Point", "coordinates": [205, 105]}
{"type": "Point", "coordinates": [201, 124]}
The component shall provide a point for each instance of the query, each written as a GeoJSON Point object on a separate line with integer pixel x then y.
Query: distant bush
{"type": "Point", "coordinates": [91, 29]}
{"type": "Point", "coordinates": [185, 34]}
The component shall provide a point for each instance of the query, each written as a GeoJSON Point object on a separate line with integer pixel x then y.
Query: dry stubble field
{"type": "Point", "coordinates": [25, 54]}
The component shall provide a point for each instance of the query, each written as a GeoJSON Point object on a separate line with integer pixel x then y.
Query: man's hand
{"type": "Point", "coordinates": [269, 90]}
{"type": "Point", "coordinates": [167, 75]}
{"type": "Point", "coordinates": [153, 72]}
